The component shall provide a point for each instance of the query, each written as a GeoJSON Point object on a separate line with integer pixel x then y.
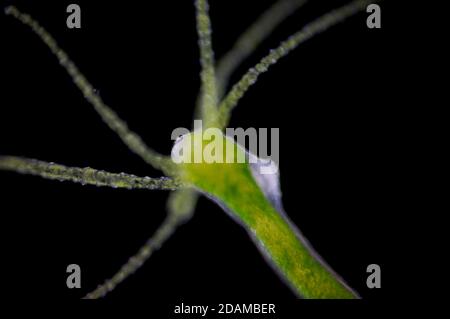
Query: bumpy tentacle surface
{"type": "Point", "coordinates": [252, 38]}
{"type": "Point", "coordinates": [208, 100]}
{"type": "Point", "coordinates": [85, 176]}
{"type": "Point", "coordinates": [180, 210]}
{"type": "Point", "coordinates": [131, 139]}
{"type": "Point", "coordinates": [321, 24]}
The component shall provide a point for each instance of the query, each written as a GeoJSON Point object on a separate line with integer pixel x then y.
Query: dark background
{"type": "Point", "coordinates": [334, 100]}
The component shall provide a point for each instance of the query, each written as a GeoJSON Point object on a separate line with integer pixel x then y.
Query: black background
{"type": "Point", "coordinates": [334, 100]}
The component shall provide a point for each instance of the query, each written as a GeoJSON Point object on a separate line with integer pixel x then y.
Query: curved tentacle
{"type": "Point", "coordinates": [320, 25]}
{"type": "Point", "coordinates": [115, 123]}
{"type": "Point", "coordinates": [252, 38]}
{"type": "Point", "coordinates": [180, 210]}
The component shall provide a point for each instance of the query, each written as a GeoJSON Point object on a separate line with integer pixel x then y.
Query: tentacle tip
{"type": "Point", "coordinates": [10, 10]}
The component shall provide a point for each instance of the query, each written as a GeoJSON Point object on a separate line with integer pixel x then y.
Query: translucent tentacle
{"type": "Point", "coordinates": [180, 207]}
{"type": "Point", "coordinates": [252, 38]}
{"type": "Point", "coordinates": [131, 139]}
{"type": "Point", "coordinates": [182, 203]}
{"type": "Point", "coordinates": [321, 24]}
{"type": "Point", "coordinates": [208, 77]}
{"type": "Point", "coordinates": [85, 176]}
